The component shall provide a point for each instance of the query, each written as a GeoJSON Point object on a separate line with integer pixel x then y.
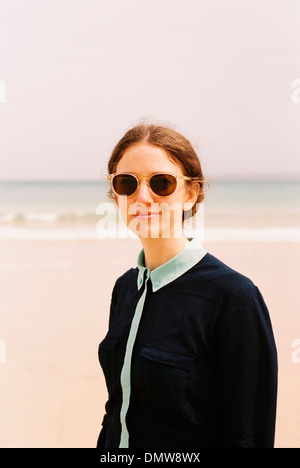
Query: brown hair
{"type": "Point", "coordinates": [178, 148]}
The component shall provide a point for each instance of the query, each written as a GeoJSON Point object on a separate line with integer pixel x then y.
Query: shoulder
{"type": "Point", "coordinates": [219, 276]}
{"type": "Point", "coordinates": [236, 294]}
{"type": "Point", "coordinates": [127, 279]}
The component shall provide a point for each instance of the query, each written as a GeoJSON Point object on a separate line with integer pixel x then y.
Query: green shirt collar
{"type": "Point", "coordinates": [172, 269]}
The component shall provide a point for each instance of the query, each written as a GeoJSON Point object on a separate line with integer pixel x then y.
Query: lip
{"type": "Point", "coordinates": [146, 215]}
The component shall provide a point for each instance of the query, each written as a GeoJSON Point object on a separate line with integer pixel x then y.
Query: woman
{"type": "Point", "coordinates": [189, 357]}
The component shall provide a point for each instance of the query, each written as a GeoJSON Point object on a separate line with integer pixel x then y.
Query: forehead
{"type": "Point", "coordinates": [145, 158]}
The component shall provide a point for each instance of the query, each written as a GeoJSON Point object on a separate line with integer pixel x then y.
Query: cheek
{"type": "Point", "coordinates": [177, 198]}
{"type": "Point", "coordinates": [122, 204]}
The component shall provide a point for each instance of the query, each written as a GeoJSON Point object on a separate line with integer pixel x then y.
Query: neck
{"type": "Point", "coordinates": [159, 250]}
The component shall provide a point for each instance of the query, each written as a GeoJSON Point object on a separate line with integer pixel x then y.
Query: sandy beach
{"type": "Point", "coordinates": [54, 311]}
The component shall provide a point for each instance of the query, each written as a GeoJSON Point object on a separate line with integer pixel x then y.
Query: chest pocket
{"type": "Point", "coordinates": [166, 379]}
{"type": "Point", "coordinates": [111, 353]}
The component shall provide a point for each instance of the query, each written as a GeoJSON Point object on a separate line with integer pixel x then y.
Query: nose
{"type": "Point", "coordinates": [143, 193]}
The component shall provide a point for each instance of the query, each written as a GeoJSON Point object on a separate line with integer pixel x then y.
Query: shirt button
{"type": "Point", "coordinates": [156, 283]}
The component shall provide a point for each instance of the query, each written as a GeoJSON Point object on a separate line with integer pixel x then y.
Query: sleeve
{"type": "Point", "coordinates": [246, 371]}
{"type": "Point", "coordinates": [102, 436]}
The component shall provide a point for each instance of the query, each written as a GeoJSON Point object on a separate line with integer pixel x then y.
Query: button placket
{"type": "Point", "coordinates": [126, 370]}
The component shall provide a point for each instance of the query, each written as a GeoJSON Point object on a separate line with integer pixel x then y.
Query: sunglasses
{"type": "Point", "coordinates": [161, 184]}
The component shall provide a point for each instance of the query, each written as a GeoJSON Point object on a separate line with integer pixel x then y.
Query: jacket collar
{"type": "Point", "coordinates": [172, 269]}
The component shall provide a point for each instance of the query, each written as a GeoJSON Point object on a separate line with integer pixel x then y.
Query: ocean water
{"type": "Point", "coordinates": [233, 210]}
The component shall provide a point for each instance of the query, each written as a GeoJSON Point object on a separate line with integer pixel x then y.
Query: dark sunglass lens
{"type": "Point", "coordinates": [163, 184]}
{"type": "Point", "coordinates": [124, 184]}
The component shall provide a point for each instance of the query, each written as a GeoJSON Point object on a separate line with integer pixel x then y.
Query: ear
{"type": "Point", "coordinates": [192, 193]}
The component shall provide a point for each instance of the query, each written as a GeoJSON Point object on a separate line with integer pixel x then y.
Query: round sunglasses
{"type": "Point", "coordinates": [162, 184]}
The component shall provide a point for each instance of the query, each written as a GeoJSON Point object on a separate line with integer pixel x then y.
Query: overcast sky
{"type": "Point", "coordinates": [79, 73]}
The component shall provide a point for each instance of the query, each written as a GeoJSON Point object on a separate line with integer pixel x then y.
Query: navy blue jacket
{"type": "Point", "coordinates": [204, 362]}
